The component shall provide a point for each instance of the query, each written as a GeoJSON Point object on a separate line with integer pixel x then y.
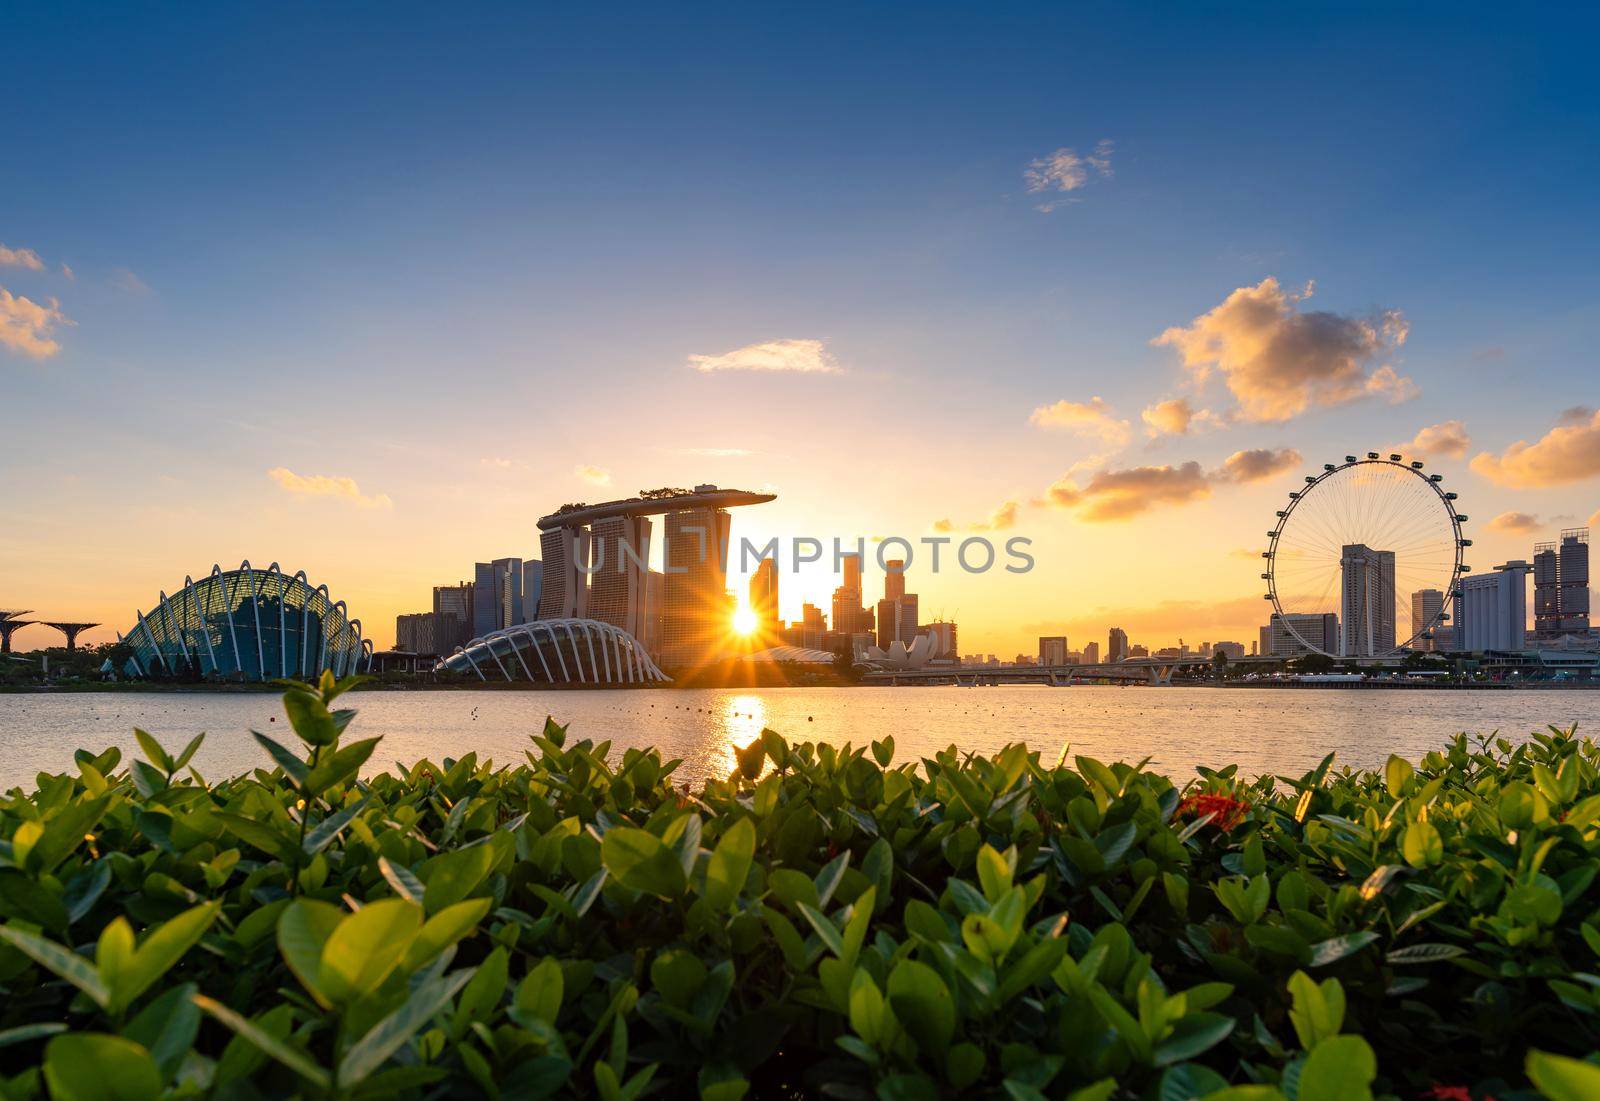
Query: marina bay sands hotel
{"type": "Point", "coordinates": [597, 567]}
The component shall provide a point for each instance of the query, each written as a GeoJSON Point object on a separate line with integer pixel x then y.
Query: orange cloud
{"type": "Point", "coordinates": [1569, 452]}
{"type": "Point", "coordinates": [20, 258]}
{"type": "Point", "coordinates": [1178, 417]}
{"type": "Point", "coordinates": [1092, 418]}
{"type": "Point", "coordinates": [1123, 494]}
{"type": "Point", "coordinates": [1001, 519]}
{"type": "Point", "coordinates": [1514, 523]}
{"type": "Point", "coordinates": [1258, 463]}
{"type": "Point", "coordinates": [594, 475]}
{"type": "Point", "coordinates": [1065, 171]}
{"type": "Point", "coordinates": [28, 328]}
{"type": "Point", "coordinates": [1445, 440]}
{"type": "Point", "coordinates": [1278, 361]}
{"type": "Point", "coordinates": [323, 485]}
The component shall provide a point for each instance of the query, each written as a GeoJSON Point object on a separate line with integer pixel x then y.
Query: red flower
{"type": "Point", "coordinates": [1227, 811]}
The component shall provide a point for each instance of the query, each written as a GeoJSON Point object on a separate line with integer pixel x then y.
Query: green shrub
{"type": "Point", "coordinates": [820, 923]}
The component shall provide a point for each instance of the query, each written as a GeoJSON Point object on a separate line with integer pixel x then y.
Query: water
{"type": "Point", "coordinates": [1263, 730]}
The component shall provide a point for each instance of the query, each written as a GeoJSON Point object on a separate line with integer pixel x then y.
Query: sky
{"type": "Point", "coordinates": [366, 290]}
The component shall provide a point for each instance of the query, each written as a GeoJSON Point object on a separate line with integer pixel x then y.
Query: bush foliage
{"type": "Point", "coordinates": [822, 923]}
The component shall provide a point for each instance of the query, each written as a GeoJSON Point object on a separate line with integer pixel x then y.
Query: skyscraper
{"type": "Point", "coordinates": [764, 597]}
{"type": "Point", "coordinates": [908, 605]}
{"type": "Point", "coordinates": [849, 616]}
{"type": "Point", "coordinates": [1117, 645]}
{"type": "Point", "coordinates": [1320, 630]}
{"type": "Point", "coordinates": [619, 553]}
{"type": "Point", "coordinates": [1091, 653]}
{"type": "Point", "coordinates": [1492, 609]}
{"type": "Point", "coordinates": [453, 617]}
{"type": "Point", "coordinates": [1574, 578]}
{"type": "Point", "coordinates": [894, 579]}
{"type": "Point", "coordinates": [888, 622]}
{"type": "Point", "coordinates": [532, 588]}
{"type": "Point", "coordinates": [1426, 604]}
{"type": "Point", "coordinates": [1052, 649]}
{"type": "Point", "coordinates": [564, 591]}
{"type": "Point", "coordinates": [1366, 600]}
{"type": "Point", "coordinates": [413, 633]}
{"type": "Point", "coordinates": [694, 620]}
{"type": "Point", "coordinates": [496, 595]}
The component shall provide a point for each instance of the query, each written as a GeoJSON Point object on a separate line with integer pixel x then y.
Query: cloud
{"type": "Point", "coordinates": [1003, 518]}
{"type": "Point", "coordinates": [1257, 464]}
{"type": "Point", "coordinates": [125, 280]}
{"type": "Point", "coordinates": [800, 356]}
{"type": "Point", "coordinates": [322, 485]}
{"type": "Point", "coordinates": [68, 272]}
{"type": "Point", "coordinates": [1065, 171]}
{"type": "Point", "coordinates": [20, 258]}
{"type": "Point", "coordinates": [1569, 452]}
{"type": "Point", "coordinates": [1178, 417]}
{"type": "Point", "coordinates": [1092, 418]}
{"type": "Point", "coordinates": [1278, 360]}
{"type": "Point", "coordinates": [715, 452]}
{"type": "Point", "coordinates": [28, 328]}
{"type": "Point", "coordinates": [1123, 494]}
{"type": "Point", "coordinates": [1514, 523]}
{"type": "Point", "coordinates": [1445, 440]}
{"type": "Point", "coordinates": [594, 475]}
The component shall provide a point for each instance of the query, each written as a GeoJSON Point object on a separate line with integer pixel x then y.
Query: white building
{"type": "Point", "coordinates": [1492, 609]}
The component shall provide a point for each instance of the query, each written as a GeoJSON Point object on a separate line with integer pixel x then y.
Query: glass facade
{"type": "Point", "coordinates": [248, 624]}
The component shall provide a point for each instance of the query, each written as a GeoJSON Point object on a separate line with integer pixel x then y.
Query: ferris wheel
{"type": "Point", "coordinates": [1366, 557]}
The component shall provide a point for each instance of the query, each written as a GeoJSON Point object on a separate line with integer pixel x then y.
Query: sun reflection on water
{"type": "Point", "coordinates": [741, 721]}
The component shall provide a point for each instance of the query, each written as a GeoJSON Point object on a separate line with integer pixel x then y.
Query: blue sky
{"type": "Point", "coordinates": [453, 255]}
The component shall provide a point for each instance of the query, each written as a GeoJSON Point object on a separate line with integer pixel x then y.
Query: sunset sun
{"type": "Point", "coordinates": [744, 621]}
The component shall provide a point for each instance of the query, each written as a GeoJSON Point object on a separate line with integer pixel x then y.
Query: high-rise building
{"type": "Point", "coordinates": [413, 633]}
{"type": "Point", "coordinates": [1561, 585]}
{"type": "Point", "coordinates": [1492, 609]}
{"type": "Point", "coordinates": [532, 588]}
{"type": "Point", "coordinates": [849, 616]}
{"type": "Point", "coordinates": [764, 597]}
{"type": "Point", "coordinates": [908, 618]}
{"type": "Point", "coordinates": [619, 555]}
{"type": "Point", "coordinates": [888, 622]}
{"type": "Point", "coordinates": [1117, 645]}
{"type": "Point", "coordinates": [1366, 600]}
{"type": "Point", "coordinates": [1426, 605]}
{"type": "Point", "coordinates": [942, 634]}
{"type": "Point", "coordinates": [453, 616]}
{"type": "Point", "coordinates": [1320, 630]}
{"type": "Point", "coordinates": [1091, 653]}
{"type": "Point", "coordinates": [694, 623]}
{"type": "Point", "coordinates": [1138, 651]}
{"type": "Point", "coordinates": [497, 595]}
{"type": "Point", "coordinates": [1574, 578]}
{"type": "Point", "coordinates": [564, 592]}
{"type": "Point", "coordinates": [1052, 649]}
{"type": "Point", "coordinates": [1229, 650]}
{"type": "Point", "coordinates": [894, 579]}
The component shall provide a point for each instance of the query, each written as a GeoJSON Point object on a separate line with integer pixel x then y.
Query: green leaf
{"type": "Point", "coordinates": [922, 1003]}
{"type": "Point", "coordinates": [263, 1041]}
{"type": "Point", "coordinates": [639, 860]}
{"type": "Point", "coordinates": [1425, 953]}
{"type": "Point", "coordinates": [318, 837]}
{"type": "Point", "coordinates": [163, 947]}
{"type": "Point", "coordinates": [540, 993]}
{"type": "Point", "coordinates": [1337, 948]}
{"type": "Point", "coordinates": [153, 751]}
{"type": "Point", "coordinates": [1561, 1078]}
{"type": "Point", "coordinates": [23, 1034]}
{"type": "Point", "coordinates": [452, 876]}
{"type": "Point", "coordinates": [729, 865]}
{"type": "Point", "coordinates": [373, 1050]}
{"type": "Point", "coordinates": [285, 758]}
{"type": "Point", "coordinates": [1193, 1035]}
{"type": "Point", "coordinates": [1395, 774]}
{"type": "Point", "coordinates": [365, 947]}
{"type": "Point", "coordinates": [61, 961]}
{"type": "Point", "coordinates": [1339, 1069]}
{"type": "Point", "coordinates": [444, 929]}
{"type": "Point", "coordinates": [93, 1066]}
{"type": "Point", "coordinates": [406, 885]}
{"type": "Point", "coordinates": [1422, 845]}
{"type": "Point", "coordinates": [310, 718]}
{"type": "Point", "coordinates": [303, 930]}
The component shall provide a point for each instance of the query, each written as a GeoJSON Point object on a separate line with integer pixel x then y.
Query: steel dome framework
{"type": "Point", "coordinates": [248, 624]}
{"type": "Point", "coordinates": [557, 651]}
{"type": "Point", "coordinates": [1336, 485]}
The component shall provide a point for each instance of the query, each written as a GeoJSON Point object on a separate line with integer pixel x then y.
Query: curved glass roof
{"type": "Point", "coordinates": [248, 624]}
{"type": "Point", "coordinates": [556, 651]}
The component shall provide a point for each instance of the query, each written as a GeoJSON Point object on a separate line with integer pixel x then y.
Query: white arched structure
{"type": "Point", "coordinates": [248, 623]}
{"type": "Point", "coordinates": [556, 651]}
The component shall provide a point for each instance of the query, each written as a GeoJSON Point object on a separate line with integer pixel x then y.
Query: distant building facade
{"type": "Point", "coordinates": [1426, 606]}
{"type": "Point", "coordinates": [1117, 645]}
{"type": "Point", "coordinates": [1281, 637]}
{"type": "Point", "coordinates": [1366, 600]}
{"type": "Point", "coordinates": [1052, 649]}
{"type": "Point", "coordinates": [1561, 585]}
{"type": "Point", "coordinates": [414, 633]}
{"type": "Point", "coordinates": [1492, 609]}
{"type": "Point", "coordinates": [453, 616]}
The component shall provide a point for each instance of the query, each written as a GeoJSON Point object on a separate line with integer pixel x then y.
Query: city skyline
{"type": "Point", "coordinates": [1038, 313]}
